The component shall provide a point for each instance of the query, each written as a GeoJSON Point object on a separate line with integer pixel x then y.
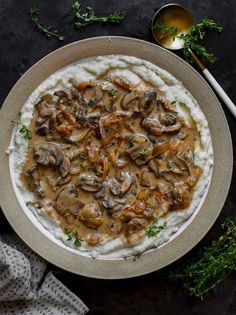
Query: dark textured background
{"type": "Point", "coordinates": [21, 46]}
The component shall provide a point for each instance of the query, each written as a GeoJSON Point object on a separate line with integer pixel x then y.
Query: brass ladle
{"type": "Point", "coordinates": [179, 17]}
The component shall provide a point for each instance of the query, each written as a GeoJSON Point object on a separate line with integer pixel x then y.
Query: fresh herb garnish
{"type": "Point", "coordinates": [166, 28]}
{"type": "Point", "coordinates": [114, 141]}
{"type": "Point", "coordinates": [30, 146]}
{"type": "Point", "coordinates": [155, 229]}
{"type": "Point", "coordinates": [174, 102]}
{"type": "Point", "coordinates": [77, 242]}
{"type": "Point", "coordinates": [136, 256]}
{"type": "Point", "coordinates": [149, 197]}
{"type": "Point", "coordinates": [113, 92]}
{"type": "Point", "coordinates": [212, 265]}
{"type": "Point", "coordinates": [193, 38]}
{"type": "Point", "coordinates": [143, 153]}
{"type": "Point", "coordinates": [48, 31]}
{"type": "Point", "coordinates": [26, 133]}
{"type": "Point", "coordinates": [84, 19]}
{"type": "Point", "coordinates": [71, 236]}
{"type": "Point", "coordinates": [83, 156]}
{"type": "Point", "coordinates": [107, 79]}
{"type": "Point", "coordinates": [36, 205]}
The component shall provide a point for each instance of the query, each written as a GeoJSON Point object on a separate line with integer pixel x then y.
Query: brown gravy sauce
{"type": "Point", "coordinates": [170, 170]}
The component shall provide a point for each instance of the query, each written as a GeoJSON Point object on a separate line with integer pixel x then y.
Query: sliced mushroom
{"type": "Point", "coordinates": [72, 155]}
{"type": "Point", "coordinates": [64, 180]}
{"type": "Point", "coordinates": [67, 201]}
{"type": "Point", "coordinates": [123, 83]}
{"type": "Point", "coordinates": [89, 183]}
{"type": "Point", "coordinates": [94, 239]}
{"type": "Point", "coordinates": [167, 119]}
{"type": "Point", "coordinates": [97, 95]}
{"type": "Point", "coordinates": [44, 108]}
{"type": "Point", "coordinates": [135, 230]}
{"type": "Point", "coordinates": [37, 183]}
{"type": "Point", "coordinates": [173, 128]}
{"type": "Point", "coordinates": [118, 204]}
{"type": "Point", "coordinates": [108, 103]}
{"type": "Point", "coordinates": [110, 119]}
{"type": "Point", "coordinates": [107, 202]}
{"type": "Point", "coordinates": [75, 139]}
{"type": "Point", "coordinates": [44, 128]}
{"type": "Point", "coordinates": [148, 102]}
{"type": "Point", "coordinates": [63, 98]}
{"type": "Point", "coordinates": [160, 148]}
{"type": "Point", "coordinates": [141, 149]}
{"type": "Point", "coordinates": [59, 181]}
{"type": "Point", "coordinates": [145, 178]}
{"type": "Point", "coordinates": [167, 106]}
{"type": "Point", "coordinates": [115, 227]}
{"type": "Point", "coordinates": [100, 193]}
{"type": "Point", "coordinates": [131, 101]}
{"type": "Point", "coordinates": [178, 166]}
{"type": "Point", "coordinates": [91, 216]}
{"type": "Point", "coordinates": [154, 127]}
{"type": "Point", "coordinates": [126, 182]}
{"type": "Point", "coordinates": [48, 153]}
{"type": "Point", "coordinates": [154, 166]}
{"type": "Point", "coordinates": [60, 94]}
{"type": "Point", "coordinates": [115, 186]}
{"type": "Point", "coordinates": [93, 117]}
{"type": "Point", "coordinates": [81, 110]}
{"type": "Point", "coordinates": [181, 196]}
{"type": "Point", "coordinates": [65, 166]}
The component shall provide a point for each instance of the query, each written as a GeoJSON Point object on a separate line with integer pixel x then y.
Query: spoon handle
{"type": "Point", "coordinates": [214, 84]}
{"type": "Point", "coordinates": [220, 91]}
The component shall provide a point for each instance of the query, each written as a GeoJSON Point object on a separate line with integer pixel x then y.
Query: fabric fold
{"type": "Point", "coordinates": [24, 287]}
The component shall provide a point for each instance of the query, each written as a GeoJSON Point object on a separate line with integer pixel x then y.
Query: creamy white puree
{"type": "Point", "coordinates": [135, 70]}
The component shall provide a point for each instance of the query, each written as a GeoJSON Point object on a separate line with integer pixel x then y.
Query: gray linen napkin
{"type": "Point", "coordinates": [24, 288]}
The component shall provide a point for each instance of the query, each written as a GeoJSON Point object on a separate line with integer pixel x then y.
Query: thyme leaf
{"type": "Point", "coordinates": [136, 256]}
{"type": "Point", "coordinates": [72, 237]}
{"type": "Point", "coordinates": [143, 153]}
{"type": "Point", "coordinates": [193, 39]}
{"type": "Point", "coordinates": [26, 133]}
{"type": "Point", "coordinates": [113, 92]}
{"type": "Point", "coordinates": [47, 30]}
{"type": "Point", "coordinates": [84, 19]}
{"type": "Point", "coordinates": [33, 204]}
{"type": "Point", "coordinates": [212, 265]}
{"type": "Point", "coordinates": [155, 229]}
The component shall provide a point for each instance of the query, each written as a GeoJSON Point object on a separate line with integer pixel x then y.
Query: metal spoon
{"type": "Point", "coordinates": [178, 16]}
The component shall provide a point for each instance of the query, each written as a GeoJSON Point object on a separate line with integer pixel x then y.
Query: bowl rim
{"type": "Point", "coordinates": [221, 176]}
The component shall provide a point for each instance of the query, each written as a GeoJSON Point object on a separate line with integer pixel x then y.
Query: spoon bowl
{"type": "Point", "coordinates": [177, 16]}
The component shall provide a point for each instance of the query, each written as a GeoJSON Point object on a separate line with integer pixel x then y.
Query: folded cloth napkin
{"type": "Point", "coordinates": [24, 287]}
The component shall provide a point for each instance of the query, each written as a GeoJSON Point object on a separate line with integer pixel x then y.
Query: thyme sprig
{"type": "Point", "coordinates": [84, 19]}
{"type": "Point", "coordinates": [213, 264]}
{"type": "Point", "coordinates": [26, 133]}
{"type": "Point", "coordinates": [193, 39]}
{"type": "Point", "coordinates": [47, 30]}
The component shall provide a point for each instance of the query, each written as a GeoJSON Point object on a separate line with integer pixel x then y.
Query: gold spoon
{"type": "Point", "coordinates": [179, 17]}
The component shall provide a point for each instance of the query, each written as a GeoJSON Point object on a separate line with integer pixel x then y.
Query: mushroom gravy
{"type": "Point", "coordinates": [109, 155]}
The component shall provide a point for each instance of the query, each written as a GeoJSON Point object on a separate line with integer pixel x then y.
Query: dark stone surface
{"type": "Point", "coordinates": [21, 46]}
